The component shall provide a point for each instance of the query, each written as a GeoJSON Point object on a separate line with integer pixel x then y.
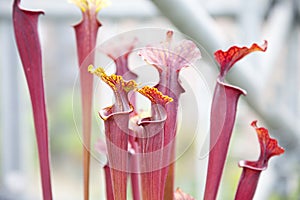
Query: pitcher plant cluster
{"type": "Point", "coordinates": [140, 149]}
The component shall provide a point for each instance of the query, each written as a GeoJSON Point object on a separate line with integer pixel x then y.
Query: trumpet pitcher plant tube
{"type": "Point", "coordinates": [25, 24]}
{"type": "Point", "coordinates": [86, 36]}
{"type": "Point", "coordinates": [169, 59]}
{"type": "Point", "coordinates": [151, 145]}
{"type": "Point", "coordinates": [116, 120]}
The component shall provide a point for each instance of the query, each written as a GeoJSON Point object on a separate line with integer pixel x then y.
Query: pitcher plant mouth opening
{"type": "Point", "coordinates": [120, 88]}
{"type": "Point", "coordinates": [252, 169]}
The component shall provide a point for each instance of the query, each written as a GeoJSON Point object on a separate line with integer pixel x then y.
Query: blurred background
{"type": "Point", "coordinates": [271, 80]}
